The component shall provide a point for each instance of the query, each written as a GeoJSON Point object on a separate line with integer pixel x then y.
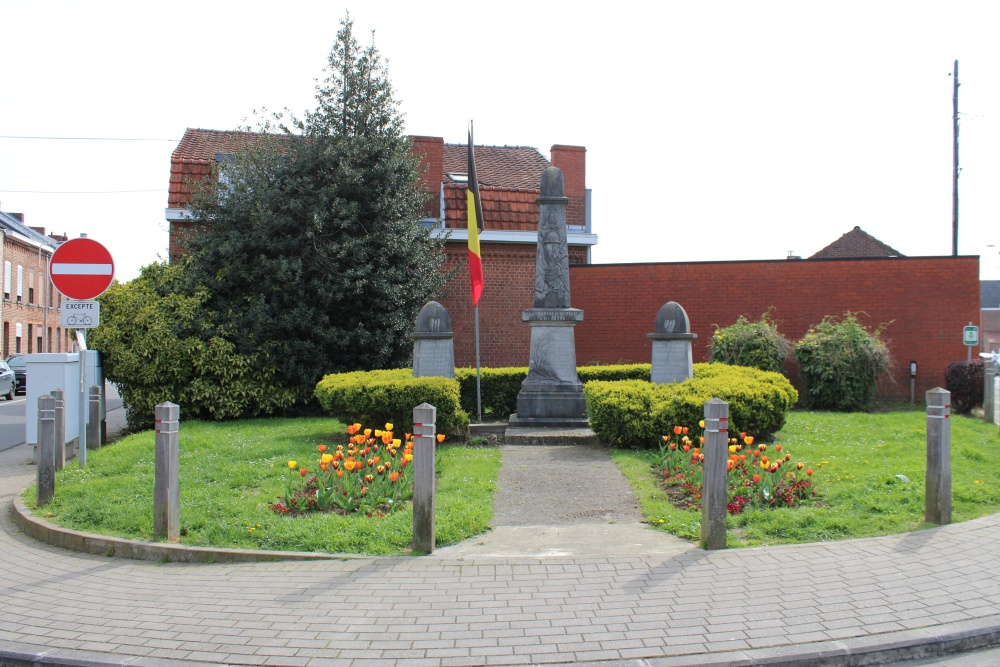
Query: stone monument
{"type": "Point", "coordinates": [671, 345]}
{"type": "Point", "coordinates": [552, 394]}
{"type": "Point", "coordinates": [433, 343]}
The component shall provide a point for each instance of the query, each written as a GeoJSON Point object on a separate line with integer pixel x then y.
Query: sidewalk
{"type": "Point", "coordinates": [861, 601]}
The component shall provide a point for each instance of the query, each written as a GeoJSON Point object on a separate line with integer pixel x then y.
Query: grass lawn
{"type": "Point", "coordinates": [230, 472]}
{"type": "Point", "coordinates": [860, 462]}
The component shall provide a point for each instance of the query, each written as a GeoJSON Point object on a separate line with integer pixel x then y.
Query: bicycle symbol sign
{"type": "Point", "coordinates": [80, 314]}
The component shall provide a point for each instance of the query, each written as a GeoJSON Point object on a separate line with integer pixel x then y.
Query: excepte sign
{"type": "Point", "coordinates": [81, 269]}
{"type": "Point", "coordinates": [80, 314]}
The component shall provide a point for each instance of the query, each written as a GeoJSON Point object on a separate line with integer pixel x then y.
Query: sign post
{"type": "Point", "coordinates": [81, 269]}
{"type": "Point", "coordinates": [970, 336]}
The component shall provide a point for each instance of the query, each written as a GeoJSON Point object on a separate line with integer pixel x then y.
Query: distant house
{"type": "Point", "coordinates": [856, 244]}
{"type": "Point", "coordinates": [509, 178]}
{"type": "Point", "coordinates": [29, 311]}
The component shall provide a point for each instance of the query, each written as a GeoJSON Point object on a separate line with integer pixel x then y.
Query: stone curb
{"type": "Point", "coordinates": [100, 545]}
{"type": "Point", "coordinates": [872, 650]}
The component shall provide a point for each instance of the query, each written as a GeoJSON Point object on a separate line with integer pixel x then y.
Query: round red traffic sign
{"type": "Point", "coordinates": [81, 269]}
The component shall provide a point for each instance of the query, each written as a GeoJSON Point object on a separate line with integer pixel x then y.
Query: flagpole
{"type": "Point", "coordinates": [479, 391]}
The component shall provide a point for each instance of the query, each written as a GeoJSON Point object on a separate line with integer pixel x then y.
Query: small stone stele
{"type": "Point", "coordinates": [433, 343]}
{"type": "Point", "coordinates": [672, 358]}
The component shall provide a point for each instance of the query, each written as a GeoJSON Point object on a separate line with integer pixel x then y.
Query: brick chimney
{"type": "Point", "coordinates": [572, 160]}
{"type": "Point", "coordinates": [430, 150]}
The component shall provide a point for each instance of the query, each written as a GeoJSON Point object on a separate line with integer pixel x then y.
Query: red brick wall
{"type": "Point", "coordinates": [509, 273]}
{"type": "Point", "coordinates": [927, 300]}
{"type": "Point", "coordinates": [430, 150]}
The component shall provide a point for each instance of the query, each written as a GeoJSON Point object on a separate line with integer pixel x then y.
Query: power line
{"type": "Point", "coordinates": [79, 192]}
{"type": "Point", "coordinates": [9, 136]}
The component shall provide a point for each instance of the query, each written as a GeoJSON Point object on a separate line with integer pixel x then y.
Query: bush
{"type": "Point", "coordinates": [964, 379]}
{"type": "Point", "coordinates": [634, 413]}
{"type": "Point", "coordinates": [500, 386]}
{"type": "Point", "coordinates": [754, 344]}
{"type": "Point", "coordinates": [158, 345]}
{"type": "Point", "coordinates": [376, 397]}
{"type": "Point", "coordinates": [840, 363]}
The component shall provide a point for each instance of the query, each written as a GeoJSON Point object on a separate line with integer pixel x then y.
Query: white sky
{"type": "Point", "coordinates": [714, 130]}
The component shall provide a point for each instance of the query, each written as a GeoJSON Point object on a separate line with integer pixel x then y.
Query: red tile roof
{"type": "Point", "coordinates": [502, 166]}
{"type": "Point", "coordinates": [194, 156]}
{"type": "Point", "coordinates": [856, 244]}
{"type": "Point", "coordinates": [503, 208]}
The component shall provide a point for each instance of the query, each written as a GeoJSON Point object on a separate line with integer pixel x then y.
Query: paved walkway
{"type": "Point", "coordinates": [820, 604]}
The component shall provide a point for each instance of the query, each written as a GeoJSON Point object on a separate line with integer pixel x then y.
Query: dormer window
{"type": "Point", "coordinates": [457, 177]}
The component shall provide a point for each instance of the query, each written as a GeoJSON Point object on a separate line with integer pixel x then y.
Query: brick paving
{"type": "Point", "coordinates": [775, 605]}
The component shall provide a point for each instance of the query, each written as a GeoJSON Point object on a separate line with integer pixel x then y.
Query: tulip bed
{"type": "Point", "coordinates": [868, 475]}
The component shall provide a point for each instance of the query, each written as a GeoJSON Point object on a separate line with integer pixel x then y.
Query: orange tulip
{"type": "Point", "coordinates": [756, 478]}
{"type": "Point", "coordinates": [321, 448]}
{"type": "Point", "coordinates": [440, 437]}
{"type": "Point", "coordinates": [809, 472]}
{"type": "Point", "coordinates": [393, 476]}
{"type": "Point", "coordinates": [340, 473]}
{"type": "Point", "coordinates": [677, 430]}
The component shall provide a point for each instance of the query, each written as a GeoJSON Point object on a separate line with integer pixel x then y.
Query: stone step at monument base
{"type": "Point", "coordinates": [554, 431]}
{"type": "Point", "coordinates": [495, 428]}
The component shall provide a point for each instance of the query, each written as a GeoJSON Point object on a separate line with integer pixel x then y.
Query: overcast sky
{"type": "Point", "coordinates": [714, 130]}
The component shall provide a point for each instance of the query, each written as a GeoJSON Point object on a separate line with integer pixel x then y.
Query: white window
{"type": "Point", "coordinates": [6, 280]}
{"type": "Point", "coordinates": [20, 283]}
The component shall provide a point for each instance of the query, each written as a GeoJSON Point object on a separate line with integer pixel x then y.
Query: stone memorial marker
{"type": "Point", "coordinates": [672, 360]}
{"type": "Point", "coordinates": [433, 343]}
{"type": "Point", "coordinates": [552, 394]}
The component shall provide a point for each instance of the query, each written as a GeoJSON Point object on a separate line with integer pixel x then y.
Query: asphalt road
{"type": "Point", "coordinates": [12, 417]}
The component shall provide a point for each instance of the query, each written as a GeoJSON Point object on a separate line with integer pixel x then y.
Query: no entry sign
{"type": "Point", "coordinates": [81, 269]}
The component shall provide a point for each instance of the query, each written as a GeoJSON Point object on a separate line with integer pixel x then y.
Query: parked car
{"type": "Point", "coordinates": [8, 381]}
{"type": "Point", "coordinates": [18, 364]}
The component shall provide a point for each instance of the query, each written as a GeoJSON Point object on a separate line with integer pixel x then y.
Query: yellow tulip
{"type": "Point", "coordinates": [388, 427]}
{"type": "Point", "coordinates": [292, 464]}
{"type": "Point", "coordinates": [326, 458]}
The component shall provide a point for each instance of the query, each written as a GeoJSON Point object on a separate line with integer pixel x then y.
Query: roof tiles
{"type": "Point", "coordinates": [856, 244]}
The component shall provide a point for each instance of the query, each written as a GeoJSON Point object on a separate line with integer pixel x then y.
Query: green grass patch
{"type": "Point", "coordinates": [869, 474]}
{"type": "Point", "coordinates": [230, 472]}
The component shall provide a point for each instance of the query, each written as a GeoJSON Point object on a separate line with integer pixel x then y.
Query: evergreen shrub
{"type": "Point", "coordinates": [840, 363]}
{"type": "Point", "coordinates": [964, 379]}
{"type": "Point", "coordinates": [377, 397]}
{"type": "Point", "coordinates": [755, 344]}
{"type": "Point", "coordinates": [634, 413]}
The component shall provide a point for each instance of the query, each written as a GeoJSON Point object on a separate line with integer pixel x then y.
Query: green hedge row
{"type": "Point", "coordinates": [636, 413]}
{"type": "Point", "coordinates": [500, 386]}
{"type": "Point", "coordinates": [376, 397]}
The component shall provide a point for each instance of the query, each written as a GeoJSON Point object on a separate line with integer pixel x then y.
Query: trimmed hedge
{"type": "Point", "coordinates": [376, 397]}
{"type": "Point", "coordinates": [500, 386]}
{"type": "Point", "coordinates": [965, 381]}
{"type": "Point", "coordinates": [634, 413]}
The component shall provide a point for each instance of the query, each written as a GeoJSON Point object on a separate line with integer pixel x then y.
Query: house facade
{"type": "Point", "coordinates": [29, 312]}
{"type": "Point", "coordinates": [509, 181]}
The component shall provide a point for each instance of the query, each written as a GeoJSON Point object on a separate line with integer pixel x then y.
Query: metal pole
{"type": "Point", "coordinates": [424, 457]}
{"type": "Point", "coordinates": [45, 486]}
{"type": "Point", "coordinates": [937, 480]}
{"type": "Point", "coordinates": [479, 391]}
{"type": "Point", "coordinates": [60, 437]}
{"type": "Point", "coordinates": [954, 166]}
{"type": "Point", "coordinates": [715, 479]}
{"type": "Point", "coordinates": [81, 449]}
{"type": "Point", "coordinates": [166, 476]}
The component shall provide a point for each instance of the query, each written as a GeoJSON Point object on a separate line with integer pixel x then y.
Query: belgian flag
{"type": "Point", "coordinates": [475, 215]}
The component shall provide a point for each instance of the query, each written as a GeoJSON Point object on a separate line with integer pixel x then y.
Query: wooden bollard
{"type": "Point", "coordinates": [94, 422]}
{"type": "Point", "coordinates": [715, 493]}
{"type": "Point", "coordinates": [46, 475]}
{"type": "Point", "coordinates": [60, 427]}
{"type": "Point", "coordinates": [424, 455]}
{"type": "Point", "coordinates": [166, 484]}
{"type": "Point", "coordinates": [937, 483]}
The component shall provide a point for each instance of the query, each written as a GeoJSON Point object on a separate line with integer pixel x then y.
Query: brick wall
{"type": "Point", "coordinates": [37, 321]}
{"type": "Point", "coordinates": [927, 300]}
{"type": "Point", "coordinates": [572, 160]}
{"type": "Point", "coordinates": [509, 272]}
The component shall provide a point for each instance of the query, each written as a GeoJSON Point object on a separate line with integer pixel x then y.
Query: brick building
{"type": "Point", "coordinates": [509, 178]}
{"type": "Point", "coordinates": [29, 312]}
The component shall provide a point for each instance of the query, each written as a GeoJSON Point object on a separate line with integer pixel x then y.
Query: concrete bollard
{"type": "Point", "coordinates": [937, 485]}
{"type": "Point", "coordinates": [715, 492]}
{"type": "Point", "coordinates": [60, 427]}
{"type": "Point", "coordinates": [94, 423]}
{"type": "Point", "coordinates": [989, 396]}
{"type": "Point", "coordinates": [166, 485]}
{"type": "Point", "coordinates": [424, 456]}
{"type": "Point", "coordinates": [46, 475]}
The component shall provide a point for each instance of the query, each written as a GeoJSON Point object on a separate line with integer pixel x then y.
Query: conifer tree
{"type": "Point", "coordinates": [310, 245]}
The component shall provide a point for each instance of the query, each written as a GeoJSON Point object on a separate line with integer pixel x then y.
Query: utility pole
{"type": "Point", "coordinates": [954, 171]}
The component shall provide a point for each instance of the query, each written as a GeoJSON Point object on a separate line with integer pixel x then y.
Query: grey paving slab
{"type": "Point", "coordinates": [832, 603]}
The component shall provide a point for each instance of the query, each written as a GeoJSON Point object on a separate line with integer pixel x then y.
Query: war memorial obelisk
{"type": "Point", "coordinates": [552, 394]}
